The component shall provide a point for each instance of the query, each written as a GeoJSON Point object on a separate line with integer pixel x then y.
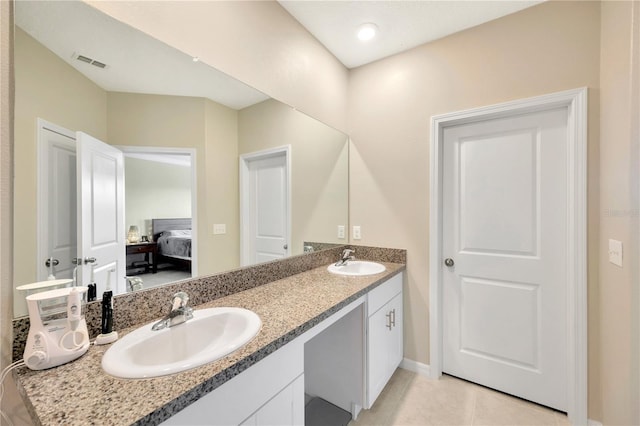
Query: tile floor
{"type": "Point", "coordinates": [411, 399]}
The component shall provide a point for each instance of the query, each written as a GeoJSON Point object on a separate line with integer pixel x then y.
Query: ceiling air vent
{"type": "Point", "coordinates": [89, 60]}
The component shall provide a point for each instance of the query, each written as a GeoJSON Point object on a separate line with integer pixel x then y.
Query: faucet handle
{"type": "Point", "coordinates": [347, 252]}
{"type": "Point", "coordinates": [180, 300]}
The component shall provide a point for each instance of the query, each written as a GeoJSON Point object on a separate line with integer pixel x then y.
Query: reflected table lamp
{"type": "Point", "coordinates": [133, 236]}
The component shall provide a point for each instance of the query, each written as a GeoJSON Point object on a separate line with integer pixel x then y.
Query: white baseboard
{"type": "Point", "coordinates": [593, 423]}
{"type": "Point", "coordinates": [417, 367]}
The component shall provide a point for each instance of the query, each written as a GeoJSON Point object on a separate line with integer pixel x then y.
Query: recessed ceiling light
{"type": "Point", "coordinates": [367, 31]}
{"type": "Point", "coordinates": [195, 59]}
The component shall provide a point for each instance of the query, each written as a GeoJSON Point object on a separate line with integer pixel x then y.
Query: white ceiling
{"type": "Point", "coordinates": [402, 24]}
{"type": "Point", "coordinates": [136, 62]}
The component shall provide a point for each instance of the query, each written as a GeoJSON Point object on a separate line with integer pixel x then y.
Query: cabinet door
{"type": "Point", "coordinates": [286, 408]}
{"type": "Point", "coordinates": [384, 346]}
{"type": "Point", "coordinates": [396, 343]}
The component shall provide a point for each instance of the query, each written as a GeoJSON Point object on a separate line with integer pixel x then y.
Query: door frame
{"type": "Point", "coordinates": [42, 194]}
{"type": "Point", "coordinates": [245, 234]}
{"type": "Point", "coordinates": [576, 103]}
{"type": "Point", "coordinates": [191, 152]}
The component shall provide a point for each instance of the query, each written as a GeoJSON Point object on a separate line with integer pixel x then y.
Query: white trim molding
{"type": "Point", "coordinates": [576, 103]}
{"type": "Point", "coordinates": [416, 367]}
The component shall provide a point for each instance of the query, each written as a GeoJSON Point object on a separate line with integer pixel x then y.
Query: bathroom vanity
{"type": "Point", "coordinates": [323, 335]}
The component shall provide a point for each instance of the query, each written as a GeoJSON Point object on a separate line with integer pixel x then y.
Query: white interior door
{"type": "Point", "coordinates": [268, 208]}
{"type": "Point", "coordinates": [56, 200]}
{"type": "Point", "coordinates": [265, 216]}
{"type": "Point", "coordinates": [101, 233]}
{"type": "Point", "coordinates": [505, 225]}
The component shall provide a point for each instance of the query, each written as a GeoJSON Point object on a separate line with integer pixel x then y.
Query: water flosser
{"type": "Point", "coordinates": [74, 308]}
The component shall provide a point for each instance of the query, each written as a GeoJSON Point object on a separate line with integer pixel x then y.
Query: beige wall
{"type": "Point", "coordinates": [320, 174]}
{"type": "Point", "coordinates": [544, 49]}
{"type": "Point", "coordinates": [221, 194]}
{"type": "Point", "coordinates": [6, 181]}
{"type": "Point", "coordinates": [47, 88]}
{"type": "Point", "coordinates": [155, 190]}
{"type": "Point", "coordinates": [619, 163]}
{"type": "Point", "coordinates": [257, 42]}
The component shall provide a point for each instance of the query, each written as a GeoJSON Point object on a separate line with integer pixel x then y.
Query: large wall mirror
{"type": "Point", "coordinates": [248, 178]}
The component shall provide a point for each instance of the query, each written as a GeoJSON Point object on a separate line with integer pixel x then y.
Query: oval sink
{"type": "Point", "coordinates": [210, 335]}
{"type": "Point", "coordinates": [357, 267]}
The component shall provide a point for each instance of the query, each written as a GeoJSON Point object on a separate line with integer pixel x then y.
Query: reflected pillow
{"type": "Point", "coordinates": [177, 233]}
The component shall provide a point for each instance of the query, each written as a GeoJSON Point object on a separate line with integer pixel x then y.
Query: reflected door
{"type": "Point", "coordinates": [266, 208]}
{"type": "Point", "coordinates": [57, 201]}
{"type": "Point", "coordinates": [101, 233]}
{"type": "Point", "coordinates": [504, 234]}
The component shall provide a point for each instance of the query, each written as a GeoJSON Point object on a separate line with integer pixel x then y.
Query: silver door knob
{"type": "Point", "coordinates": [51, 261]}
{"type": "Point", "coordinates": [89, 260]}
{"type": "Point", "coordinates": [449, 262]}
{"type": "Point", "coordinates": [286, 246]}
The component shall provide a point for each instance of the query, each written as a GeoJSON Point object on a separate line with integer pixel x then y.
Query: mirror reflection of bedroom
{"type": "Point", "coordinates": [158, 203]}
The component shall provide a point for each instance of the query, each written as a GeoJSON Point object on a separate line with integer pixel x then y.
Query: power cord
{"type": "Point", "coordinates": [3, 376]}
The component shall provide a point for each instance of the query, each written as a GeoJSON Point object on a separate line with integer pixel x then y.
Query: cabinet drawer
{"type": "Point", "coordinates": [383, 293]}
{"type": "Point", "coordinates": [140, 249]}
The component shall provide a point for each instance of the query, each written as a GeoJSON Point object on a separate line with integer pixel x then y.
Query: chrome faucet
{"type": "Point", "coordinates": [180, 312]}
{"type": "Point", "coordinates": [346, 256]}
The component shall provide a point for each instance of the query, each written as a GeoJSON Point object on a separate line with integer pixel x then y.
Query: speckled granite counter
{"type": "Point", "coordinates": [80, 393]}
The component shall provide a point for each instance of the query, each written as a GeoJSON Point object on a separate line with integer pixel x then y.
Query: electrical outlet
{"type": "Point", "coordinates": [219, 228]}
{"type": "Point", "coordinates": [615, 252]}
{"type": "Point", "coordinates": [356, 232]}
{"type": "Point", "coordinates": [340, 231]}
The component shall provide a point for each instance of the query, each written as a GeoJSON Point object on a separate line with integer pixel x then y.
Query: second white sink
{"type": "Point", "coordinates": [211, 334]}
{"type": "Point", "coordinates": [357, 267]}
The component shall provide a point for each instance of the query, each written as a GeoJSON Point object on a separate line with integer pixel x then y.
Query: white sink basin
{"type": "Point", "coordinates": [357, 267]}
{"type": "Point", "coordinates": [209, 335]}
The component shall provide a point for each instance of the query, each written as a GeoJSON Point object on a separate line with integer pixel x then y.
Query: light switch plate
{"type": "Point", "coordinates": [615, 252]}
{"type": "Point", "coordinates": [219, 228]}
{"type": "Point", "coordinates": [356, 232]}
{"type": "Point", "coordinates": [341, 231]}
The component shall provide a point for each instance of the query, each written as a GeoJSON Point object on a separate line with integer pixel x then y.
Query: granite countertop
{"type": "Point", "coordinates": [80, 392]}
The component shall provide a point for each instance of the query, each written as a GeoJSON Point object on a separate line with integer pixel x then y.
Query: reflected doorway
{"type": "Point", "coordinates": [265, 216]}
{"type": "Point", "coordinates": [161, 184]}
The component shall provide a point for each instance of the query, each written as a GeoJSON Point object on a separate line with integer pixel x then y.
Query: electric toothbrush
{"type": "Point", "coordinates": [108, 335]}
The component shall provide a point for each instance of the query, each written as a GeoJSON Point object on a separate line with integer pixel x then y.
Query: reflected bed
{"type": "Point", "coordinates": [173, 237]}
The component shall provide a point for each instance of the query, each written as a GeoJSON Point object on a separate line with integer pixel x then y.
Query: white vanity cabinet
{"type": "Point", "coordinates": [347, 359]}
{"type": "Point", "coordinates": [286, 408]}
{"type": "Point", "coordinates": [384, 335]}
{"type": "Point", "coordinates": [271, 392]}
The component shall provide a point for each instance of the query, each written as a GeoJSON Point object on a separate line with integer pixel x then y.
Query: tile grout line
{"type": "Point", "coordinates": [398, 402]}
{"type": "Point", "coordinates": [473, 406]}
